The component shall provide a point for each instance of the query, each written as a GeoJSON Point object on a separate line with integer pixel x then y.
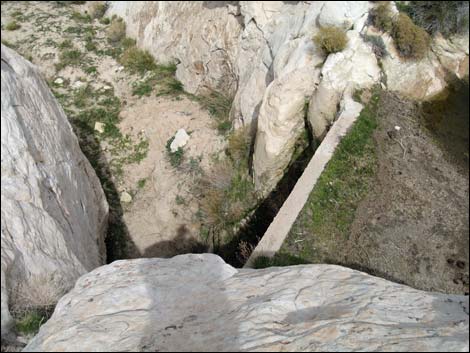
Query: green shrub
{"type": "Point", "coordinates": [137, 61]}
{"type": "Point", "coordinates": [331, 39]}
{"type": "Point", "coordinates": [12, 26]}
{"type": "Point", "coordinates": [381, 16]}
{"type": "Point", "coordinates": [411, 41]}
{"type": "Point", "coordinates": [378, 45]}
{"type": "Point", "coordinates": [72, 57]}
{"type": "Point", "coordinates": [66, 44]}
{"type": "Point", "coordinates": [176, 157]}
{"type": "Point", "coordinates": [97, 9]}
{"type": "Point", "coordinates": [446, 17]}
{"type": "Point", "coordinates": [105, 21]}
{"type": "Point", "coordinates": [116, 30]}
{"type": "Point", "coordinates": [77, 16]}
{"type": "Point", "coordinates": [218, 105]}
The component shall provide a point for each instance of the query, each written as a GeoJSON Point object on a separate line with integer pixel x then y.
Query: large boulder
{"type": "Point", "coordinates": [199, 303]}
{"type": "Point", "coordinates": [54, 212]}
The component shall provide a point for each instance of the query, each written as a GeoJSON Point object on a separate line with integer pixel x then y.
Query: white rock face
{"type": "Point", "coordinates": [53, 210]}
{"type": "Point", "coordinates": [180, 140]}
{"type": "Point", "coordinates": [199, 303]}
{"type": "Point", "coordinates": [259, 51]}
{"type": "Point", "coordinates": [353, 68]}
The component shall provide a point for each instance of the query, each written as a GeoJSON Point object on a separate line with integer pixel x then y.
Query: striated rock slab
{"type": "Point", "coordinates": [54, 212]}
{"type": "Point", "coordinates": [199, 303]}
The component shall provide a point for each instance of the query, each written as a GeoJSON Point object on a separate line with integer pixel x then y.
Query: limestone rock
{"type": "Point", "coordinates": [199, 303]}
{"type": "Point", "coordinates": [353, 68]}
{"type": "Point", "coordinates": [53, 210]}
{"type": "Point", "coordinates": [125, 197]}
{"type": "Point", "coordinates": [200, 36]}
{"type": "Point", "coordinates": [252, 50]}
{"type": "Point", "coordinates": [342, 13]}
{"type": "Point", "coordinates": [99, 127]}
{"type": "Point", "coordinates": [180, 140]}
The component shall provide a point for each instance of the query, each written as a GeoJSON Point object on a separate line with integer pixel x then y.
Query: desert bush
{"type": "Point", "coordinates": [97, 9]}
{"type": "Point", "coordinates": [446, 17]}
{"type": "Point", "coordinates": [381, 16]}
{"type": "Point", "coordinates": [411, 40]}
{"type": "Point", "coordinates": [331, 39]}
{"type": "Point", "coordinates": [218, 105]}
{"type": "Point", "coordinates": [136, 60]}
{"type": "Point", "coordinates": [175, 157]}
{"type": "Point", "coordinates": [116, 30]}
{"type": "Point", "coordinates": [12, 26]}
{"type": "Point", "coordinates": [378, 45]}
{"type": "Point", "coordinates": [32, 302]}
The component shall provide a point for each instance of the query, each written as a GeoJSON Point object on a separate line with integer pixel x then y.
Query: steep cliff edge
{"type": "Point", "coordinates": [54, 212]}
{"type": "Point", "coordinates": [199, 303]}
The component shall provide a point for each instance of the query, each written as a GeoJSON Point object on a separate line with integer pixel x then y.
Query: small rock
{"type": "Point", "coordinates": [119, 69]}
{"type": "Point", "coordinates": [99, 127]}
{"type": "Point", "coordinates": [180, 140]}
{"type": "Point", "coordinates": [398, 128]}
{"type": "Point", "coordinates": [58, 81]}
{"type": "Point", "coordinates": [125, 197]}
{"type": "Point", "coordinates": [78, 84]}
{"type": "Point", "coordinates": [106, 88]}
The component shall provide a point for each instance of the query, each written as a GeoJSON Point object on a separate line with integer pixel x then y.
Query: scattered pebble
{"type": "Point", "coordinates": [398, 128]}
{"type": "Point", "coordinates": [126, 197]}
{"type": "Point", "coordinates": [78, 84]}
{"type": "Point", "coordinates": [58, 81]}
{"type": "Point", "coordinates": [99, 127]}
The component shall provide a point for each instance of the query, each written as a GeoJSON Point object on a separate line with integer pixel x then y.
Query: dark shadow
{"type": "Point", "coordinates": [182, 243]}
{"type": "Point", "coordinates": [446, 117]}
{"type": "Point", "coordinates": [119, 244]}
{"type": "Point", "coordinates": [217, 4]}
{"type": "Point", "coordinates": [252, 232]}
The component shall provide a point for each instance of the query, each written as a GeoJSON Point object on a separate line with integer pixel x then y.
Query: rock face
{"type": "Point", "coordinates": [54, 212]}
{"type": "Point", "coordinates": [199, 303]}
{"type": "Point", "coordinates": [262, 54]}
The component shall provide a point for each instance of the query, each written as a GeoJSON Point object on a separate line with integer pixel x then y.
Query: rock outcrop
{"type": "Point", "coordinates": [199, 303]}
{"type": "Point", "coordinates": [54, 212]}
{"type": "Point", "coordinates": [262, 54]}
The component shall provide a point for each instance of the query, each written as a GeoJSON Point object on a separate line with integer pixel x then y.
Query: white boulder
{"type": "Point", "coordinates": [180, 140]}
{"type": "Point", "coordinates": [54, 212]}
{"type": "Point", "coordinates": [198, 303]}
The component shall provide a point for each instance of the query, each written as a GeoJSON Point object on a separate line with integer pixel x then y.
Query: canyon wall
{"type": "Point", "coordinates": [54, 212]}
{"type": "Point", "coordinates": [262, 54]}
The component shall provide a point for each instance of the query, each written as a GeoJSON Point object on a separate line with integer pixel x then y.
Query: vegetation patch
{"type": "Point", "coordinates": [381, 16]}
{"type": "Point", "coordinates": [69, 57]}
{"type": "Point", "coordinates": [329, 212]}
{"type": "Point", "coordinates": [377, 44]}
{"type": "Point", "coordinates": [137, 61]}
{"type": "Point", "coordinates": [116, 30]}
{"type": "Point", "coordinates": [175, 157]}
{"type": "Point", "coordinates": [412, 41]}
{"type": "Point", "coordinates": [446, 17]}
{"type": "Point", "coordinates": [331, 39]}
{"type": "Point", "coordinates": [226, 194]}
{"type": "Point", "coordinates": [98, 9]}
{"type": "Point", "coordinates": [218, 105]}
{"type": "Point", "coordinates": [278, 260]}
{"type": "Point", "coordinates": [12, 26]}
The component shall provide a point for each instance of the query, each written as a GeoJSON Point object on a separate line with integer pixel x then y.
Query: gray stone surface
{"type": "Point", "coordinates": [54, 212]}
{"type": "Point", "coordinates": [199, 303]}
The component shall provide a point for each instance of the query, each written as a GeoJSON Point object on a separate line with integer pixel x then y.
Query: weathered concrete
{"type": "Point", "coordinates": [282, 223]}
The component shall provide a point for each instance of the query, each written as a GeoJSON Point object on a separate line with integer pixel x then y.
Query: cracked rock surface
{"type": "Point", "coordinates": [199, 303]}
